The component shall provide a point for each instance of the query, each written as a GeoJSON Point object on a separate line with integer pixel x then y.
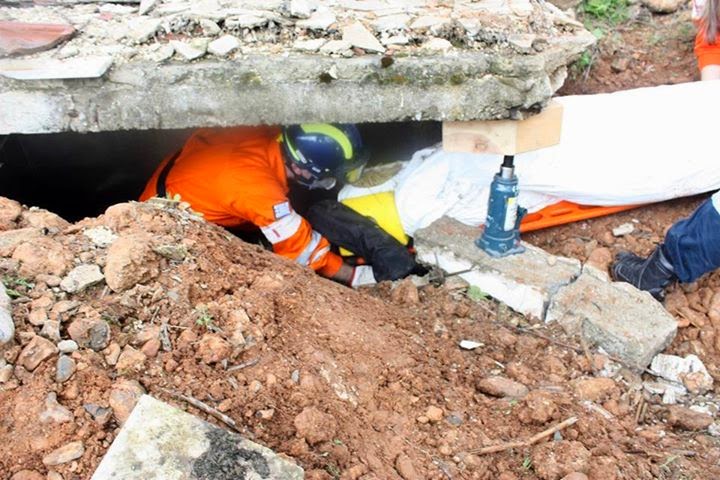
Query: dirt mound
{"type": "Point", "coordinates": [368, 384]}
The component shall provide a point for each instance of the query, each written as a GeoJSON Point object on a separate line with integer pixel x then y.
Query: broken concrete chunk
{"type": "Point", "coordinates": [358, 36]}
{"type": "Point", "coordinates": [100, 236]}
{"type": "Point", "coordinates": [429, 22]}
{"type": "Point", "coordinates": [190, 50]}
{"type": "Point", "coordinates": [524, 282]}
{"type": "Point", "coordinates": [51, 69]}
{"type": "Point", "coordinates": [319, 20]}
{"type": "Point", "coordinates": [142, 29]}
{"type": "Point", "coordinates": [336, 47]}
{"type": "Point", "coordinates": [245, 21]}
{"type": "Point", "coordinates": [81, 277]}
{"type": "Point", "coordinates": [300, 8]}
{"type": "Point", "coordinates": [312, 45]}
{"type": "Point", "coordinates": [66, 453]}
{"type": "Point", "coordinates": [391, 22]}
{"type": "Point", "coordinates": [624, 321]}
{"type": "Point", "coordinates": [223, 45]}
{"type": "Point", "coordinates": [624, 229]}
{"type": "Point", "coordinates": [690, 371]}
{"type": "Point", "coordinates": [146, 6]}
{"type": "Point", "coordinates": [160, 441]}
{"type": "Point", "coordinates": [437, 45]}
{"type": "Point", "coordinates": [470, 345]}
{"type": "Point", "coordinates": [21, 38]}
{"type": "Point", "coordinates": [7, 326]}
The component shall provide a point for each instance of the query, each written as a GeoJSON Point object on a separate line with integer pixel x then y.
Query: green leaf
{"type": "Point", "coordinates": [474, 293]}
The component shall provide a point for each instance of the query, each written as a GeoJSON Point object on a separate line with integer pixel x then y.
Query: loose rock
{"type": "Point", "coordinates": [90, 332]}
{"type": "Point", "coordinates": [35, 352]}
{"type": "Point", "coordinates": [359, 36]}
{"type": "Point", "coordinates": [594, 389]}
{"type": "Point", "coordinates": [81, 277]}
{"type": "Point", "coordinates": [67, 346]}
{"type": "Point", "coordinates": [405, 468]}
{"type": "Point", "coordinates": [686, 419]}
{"type": "Point", "coordinates": [212, 348]}
{"type": "Point", "coordinates": [315, 426]}
{"type": "Point", "coordinates": [42, 255]}
{"type": "Point", "coordinates": [67, 453]}
{"type": "Point", "coordinates": [501, 387]}
{"type": "Point", "coordinates": [100, 236]}
{"type": "Point", "coordinates": [405, 293]}
{"type": "Point", "coordinates": [7, 325]}
{"type": "Point", "coordinates": [54, 412]}
{"type": "Point", "coordinates": [130, 361]}
{"type": "Point", "coordinates": [553, 460]}
{"type": "Point", "coordinates": [130, 260]}
{"type": "Point", "coordinates": [65, 368]}
{"type": "Point", "coordinates": [434, 414]}
{"type": "Point", "coordinates": [223, 45]}
{"type": "Point", "coordinates": [123, 397]}
{"type": "Point", "coordinates": [27, 475]}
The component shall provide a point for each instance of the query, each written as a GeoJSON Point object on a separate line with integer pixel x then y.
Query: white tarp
{"type": "Point", "coordinates": [635, 146]}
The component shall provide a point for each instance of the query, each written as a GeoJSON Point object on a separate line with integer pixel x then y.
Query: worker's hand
{"type": "Point", "coordinates": [362, 276]}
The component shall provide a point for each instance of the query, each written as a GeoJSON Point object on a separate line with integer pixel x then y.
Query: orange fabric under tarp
{"type": "Point", "coordinates": [566, 212]}
{"type": "Point", "coordinates": [236, 178]}
{"type": "Point", "coordinates": [706, 53]}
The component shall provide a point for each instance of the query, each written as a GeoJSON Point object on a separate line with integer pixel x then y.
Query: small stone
{"type": "Point", "coordinates": [90, 332]}
{"type": "Point", "coordinates": [67, 346]}
{"type": "Point", "coordinates": [295, 376]}
{"type": "Point", "coordinates": [123, 397]}
{"type": "Point", "coordinates": [99, 414]}
{"type": "Point", "coordinates": [552, 460]}
{"type": "Point", "coordinates": [437, 45]}
{"type": "Point", "coordinates": [62, 310]}
{"type": "Point", "coordinates": [27, 475]}
{"type": "Point", "coordinates": [455, 419]}
{"type": "Point", "coordinates": [221, 47]}
{"type": "Point", "coordinates": [522, 42]}
{"type": "Point", "coordinates": [192, 50]}
{"type": "Point", "coordinates": [396, 40]}
{"type": "Point", "coordinates": [470, 344]}
{"type": "Point", "coordinates": [51, 331]}
{"type": "Point", "coordinates": [81, 277]}
{"type": "Point", "coordinates": [212, 348]}
{"type": "Point", "coordinates": [209, 27]}
{"type": "Point", "coordinates": [315, 426]}
{"type": "Point", "coordinates": [54, 476]}
{"type": "Point", "coordinates": [130, 260]}
{"type": "Point", "coordinates": [319, 20]}
{"type": "Point", "coordinates": [405, 293]}
{"type": "Point", "coordinates": [35, 352]}
{"type": "Point", "coordinates": [624, 229]}
{"type": "Point", "coordinates": [38, 316]}
{"type": "Point", "coordinates": [54, 412]}
{"type": "Point", "coordinates": [130, 361]}
{"type": "Point", "coordinates": [594, 389]}
{"type": "Point", "coordinates": [266, 414]}
{"type": "Point", "coordinates": [311, 45]}
{"type": "Point", "coordinates": [6, 373]}
{"type": "Point", "coordinates": [42, 256]}
{"type": "Point", "coordinates": [151, 348]}
{"type": "Point", "coordinates": [391, 22]}
{"type": "Point", "coordinates": [336, 47]}
{"type": "Point", "coordinates": [65, 368]}
{"type": "Point", "coordinates": [429, 22]}
{"type": "Point", "coordinates": [663, 6]}
{"type": "Point", "coordinates": [501, 387]}
{"type": "Point", "coordinates": [358, 36]}
{"type": "Point", "coordinates": [300, 8]}
{"type": "Point", "coordinates": [689, 370]}
{"type": "Point", "coordinates": [405, 468]}
{"type": "Point", "coordinates": [66, 453]}
{"type": "Point", "coordinates": [141, 30]}
{"type": "Point", "coordinates": [112, 354]}
{"type": "Point", "coordinates": [245, 21]}
{"type": "Point", "coordinates": [600, 258]}
{"type": "Point", "coordinates": [146, 6]}
{"type": "Point", "coordinates": [575, 476]}
{"type": "Point", "coordinates": [686, 419]}
{"type": "Point", "coordinates": [620, 64]}
{"type": "Point", "coordinates": [434, 414]}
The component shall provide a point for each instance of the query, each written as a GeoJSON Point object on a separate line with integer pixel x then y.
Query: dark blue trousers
{"type": "Point", "coordinates": [693, 244]}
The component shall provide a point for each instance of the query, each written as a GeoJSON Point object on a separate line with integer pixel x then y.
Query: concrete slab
{"type": "Point", "coordinates": [159, 441]}
{"type": "Point", "coordinates": [524, 282]}
{"type": "Point", "coordinates": [624, 321]}
{"type": "Point", "coordinates": [478, 71]}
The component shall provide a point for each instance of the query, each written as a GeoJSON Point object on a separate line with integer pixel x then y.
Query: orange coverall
{"type": "Point", "coordinates": [237, 178]}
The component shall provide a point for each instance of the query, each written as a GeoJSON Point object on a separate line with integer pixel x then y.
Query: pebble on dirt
{"type": "Point", "coordinates": [212, 348]}
{"type": "Point", "coordinates": [123, 397]}
{"type": "Point", "coordinates": [130, 260]}
{"type": "Point", "coordinates": [501, 387]}
{"type": "Point", "coordinates": [54, 412]}
{"type": "Point", "coordinates": [81, 277]}
{"type": "Point", "coordinates": [35, 352]}
{"type": "Point", "coordinates": [27, 475]}
{"type": "Point", "coordinates": [65, 368]}
{"type": "Point", "coordinates": [66, 453]}
{"type": "Point", "coordinates": [553, 460]}
{"type": "Point", "coordinates": [594, 389]}
{"type": "Point", "coordinates": [405, 468]}
{"type": "Point", "coordinates": [315, 426]}
{"type": "Point", "coordinates": [686, 419]}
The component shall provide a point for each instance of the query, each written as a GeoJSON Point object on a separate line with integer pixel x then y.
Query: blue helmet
{"type": "Point", "coordinates": [325, 150]}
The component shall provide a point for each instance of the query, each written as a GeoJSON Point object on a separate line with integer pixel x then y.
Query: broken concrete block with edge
{"type": "Point", "coordinates": [524, 282]}
{"type": "Point", "coordinates": [21, 38]}
{"type": "Point", "coordinates": [161, 441]}
{"type": "Point", "coordinates": [626, 322]}
{"type": "Point", "coordinates": [51, 69]}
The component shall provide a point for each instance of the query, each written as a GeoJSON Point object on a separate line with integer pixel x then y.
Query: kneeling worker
{"type": "Point", "coordinates": [238, 178]}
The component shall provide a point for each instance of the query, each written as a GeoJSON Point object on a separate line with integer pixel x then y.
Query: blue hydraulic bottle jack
{"type": "Point", "coordinates": [501, 236]}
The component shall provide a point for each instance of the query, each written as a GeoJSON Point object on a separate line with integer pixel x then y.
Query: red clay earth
{"type": "Point", "coordinates": [353, 385]}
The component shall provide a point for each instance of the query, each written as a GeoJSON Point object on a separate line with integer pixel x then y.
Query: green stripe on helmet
{"type": "Point", "coordinates": [332, 132]}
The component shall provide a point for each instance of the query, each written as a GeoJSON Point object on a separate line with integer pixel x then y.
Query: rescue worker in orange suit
{"type": "Point", "coordinates": [238, 177]}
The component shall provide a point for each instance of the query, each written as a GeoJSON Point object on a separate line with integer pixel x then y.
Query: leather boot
{"type": "Point", "coordinates": [652, 274]}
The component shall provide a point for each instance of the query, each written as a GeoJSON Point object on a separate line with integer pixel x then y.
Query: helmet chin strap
{"type": "Point", "coordinates": [295, 173]}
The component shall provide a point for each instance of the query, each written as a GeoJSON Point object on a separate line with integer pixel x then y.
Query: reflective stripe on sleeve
{"type": "Point", "coordinates": [304, 257]}
{"type": "Point", "coordinates": [282, 229]}
{"type": "Point", "coordinates": [319, 254]}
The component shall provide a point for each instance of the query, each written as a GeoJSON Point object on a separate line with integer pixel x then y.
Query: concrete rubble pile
{"type": "Point", "coordinates": [480, 60]}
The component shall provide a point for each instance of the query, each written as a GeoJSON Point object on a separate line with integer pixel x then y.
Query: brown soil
{"type": "Point", "coordinates": [368, 384]}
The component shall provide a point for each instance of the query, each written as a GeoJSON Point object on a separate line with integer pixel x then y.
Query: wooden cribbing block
{"type": "Point", "coordinates": [505, 137]}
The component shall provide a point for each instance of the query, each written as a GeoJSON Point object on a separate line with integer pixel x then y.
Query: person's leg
{"type": "Point", "coordinates": [693, 245]}
{"type": "Point", "coordinates": [691, 249]}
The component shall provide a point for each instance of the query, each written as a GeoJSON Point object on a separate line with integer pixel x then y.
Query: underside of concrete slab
{"type": "Point", "coordinates": [340, 61]}
{"type": "Point", "coordinates": [161, 442]}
